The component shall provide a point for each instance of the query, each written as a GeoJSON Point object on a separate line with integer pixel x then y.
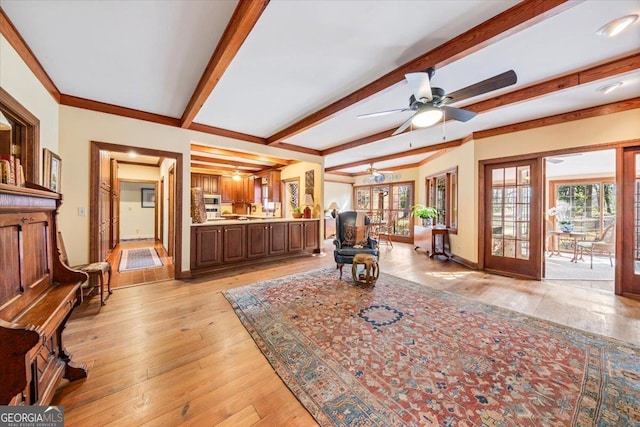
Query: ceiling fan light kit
{"type": "Point", "coordinates": [426, 117]}
{"type": "Point", "coordinates": [429, 104]}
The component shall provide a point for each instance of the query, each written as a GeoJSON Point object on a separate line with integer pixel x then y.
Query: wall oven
{"type": "Point", "coordinates": [213, 205]}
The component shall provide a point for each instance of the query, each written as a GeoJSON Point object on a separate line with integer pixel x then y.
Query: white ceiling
{"type": "Point", "coordinates": [304, 55]}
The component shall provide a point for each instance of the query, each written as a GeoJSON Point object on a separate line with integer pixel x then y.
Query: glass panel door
{"type": "Point", "coordinates": [511, 212]}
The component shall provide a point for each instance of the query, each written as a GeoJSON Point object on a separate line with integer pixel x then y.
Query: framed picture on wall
{"type": "Point", "coordinates": [52, 165]}
{"type": "Point", "coordinates": [148, 197]}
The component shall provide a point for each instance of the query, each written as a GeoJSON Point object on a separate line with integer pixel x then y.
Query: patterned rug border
{"type": "Point", "coordinates": [124, 258]}
{"type": "Point", "coordinates": [382, 416]}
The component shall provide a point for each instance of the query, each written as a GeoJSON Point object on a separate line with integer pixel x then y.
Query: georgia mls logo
{"type": "Point", "coordinates": [31, 416]}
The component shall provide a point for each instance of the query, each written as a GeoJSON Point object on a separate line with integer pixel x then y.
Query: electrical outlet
{"type": "Point", "coordinates": [82, 211]}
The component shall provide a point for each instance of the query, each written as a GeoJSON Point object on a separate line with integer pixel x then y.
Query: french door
{"type": "Point", "coordinates": [511, 218]}
{"type": "Point", "coordinates": [629, 267]}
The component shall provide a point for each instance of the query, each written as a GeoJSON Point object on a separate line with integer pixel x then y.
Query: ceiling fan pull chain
{"type": "Point", "coordinates": [444, 126]}
{"type": "Point", "coordinates": [411, 136]}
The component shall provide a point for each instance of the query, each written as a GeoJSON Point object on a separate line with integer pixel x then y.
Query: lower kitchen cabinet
{"type": "Point", "coordinates": [257, 240]}
{"type": "Point", "coordinates": [206, 246]}
{"type": "Point", "coordinates": [296, 236]}
{"type": "Point", "coordinates": [219, 246]}
{"type": "Point", "coordinates": [234, 243]}
{"type": "Point", "coordinates": [278, 235]}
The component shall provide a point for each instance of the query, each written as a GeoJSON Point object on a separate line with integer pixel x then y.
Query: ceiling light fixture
{"type": "Point", "coordinates": [616, 26]}
{"type": "Point", "coordinates": [132, 154]}
{"type": "Point", "coordinates": [609, 88]}
{"type": "Point", "coordinates": [427, 116]}
{"type": "Point", "coordinates": [236, 176]}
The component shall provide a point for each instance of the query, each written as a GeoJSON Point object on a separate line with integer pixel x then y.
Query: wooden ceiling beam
{"type": "Point", "coordinates": [242, 21]}
{"type": "Point", "coordinates": [222, 161]}
{"type": "Point", "coordinates": [395, 168]}
{"type": "Point", "coordinates": [521, 16]}
{"type": "Point", "coordinates": [277, 161]}
{"type": "Point", "coordinates": [589, 75]}
{"type": "Point", "coordinates": [421, 150]}
{"type": "Point", "coordinates": [9, 31]}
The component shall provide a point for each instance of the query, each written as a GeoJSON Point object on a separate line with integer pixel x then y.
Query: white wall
{"type": "Point", "coordinates": [18, 80]}
{"type": "Point", "coordinates": [136, 222]}
{"type": "Point", "coordinates": [339, 192]}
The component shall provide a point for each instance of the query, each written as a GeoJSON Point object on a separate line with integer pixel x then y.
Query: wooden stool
{"type": "Point", "coordinates": [372, 271]}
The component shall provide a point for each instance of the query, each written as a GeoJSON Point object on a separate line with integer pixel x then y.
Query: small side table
{"type": "Point", "coordinates": [372, 270]}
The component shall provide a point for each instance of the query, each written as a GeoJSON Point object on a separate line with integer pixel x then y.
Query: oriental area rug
{"type": "Point", "coordinates": [137, 259]}
{"type": "Point", "coordinates": [403, 354]}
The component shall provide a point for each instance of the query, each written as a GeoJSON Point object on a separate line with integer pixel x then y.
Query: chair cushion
{"type": "Point", "coordinates": [356, 235]}
{"type": "Point", "coordinates": [351, 251]}
{"type": "Point", "coordinates": [95, 267]}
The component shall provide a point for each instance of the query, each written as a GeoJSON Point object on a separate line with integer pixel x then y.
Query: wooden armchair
{"type": "Point", "coordinates": [95, 269]}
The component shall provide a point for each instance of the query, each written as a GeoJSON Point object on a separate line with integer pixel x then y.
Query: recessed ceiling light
{"type": "Point", "coordinates": [617, 26]}
{"type": "Point", "coordinates": [132, 154]}
{"type": "Point", "coordinates": [609, 88]}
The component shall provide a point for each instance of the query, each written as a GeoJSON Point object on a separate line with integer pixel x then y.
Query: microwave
{"type": "Point", "coordinates": [212, 199]}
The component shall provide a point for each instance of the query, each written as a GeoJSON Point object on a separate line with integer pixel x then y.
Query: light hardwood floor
{"type": "Point", "coordinates": [174, 353]}
{"type": "Point", "coordinates": [136, 277]}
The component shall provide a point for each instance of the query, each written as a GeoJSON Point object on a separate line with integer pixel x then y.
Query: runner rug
{"type": "Point", "coordinates": [402, 354]}
{"type": "Point", "coordinates": [137, 259]}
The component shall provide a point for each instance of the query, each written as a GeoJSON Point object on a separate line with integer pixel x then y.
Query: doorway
{"type": "Point", "coordinates": [100, 204]}
{"type": "Point", "coordinates": [580, 219]}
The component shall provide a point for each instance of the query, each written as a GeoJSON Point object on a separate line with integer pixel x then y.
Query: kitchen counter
{"type": "Point", "coordinates": [226, 243]}
{"type": "Point", "coordinates": [249, 220]}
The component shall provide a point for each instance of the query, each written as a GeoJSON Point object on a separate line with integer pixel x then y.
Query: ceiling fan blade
{"type": "Point", "coordinates": [382, 113]}
{"type": "Point", "coordinates": [458, 113]}
{"type": "Point", "coordinates": [420, 86]}
{"type": "Point", "coordinates": [494, 83]}
{"type": "Point", "coordinates": [403, 126]}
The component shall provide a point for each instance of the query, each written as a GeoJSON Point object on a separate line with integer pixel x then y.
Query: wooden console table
{"type": "Point", "coordinates": [427, 238]}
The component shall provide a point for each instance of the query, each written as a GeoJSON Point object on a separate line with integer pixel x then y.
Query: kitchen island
{"type": "Point", "coordinates": [223, 243]}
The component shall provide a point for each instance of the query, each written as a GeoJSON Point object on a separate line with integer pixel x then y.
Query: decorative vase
{"type": "Point", "coordinates": [566, 228]}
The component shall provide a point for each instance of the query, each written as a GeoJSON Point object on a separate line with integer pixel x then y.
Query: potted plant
{"type": "Point", "coordinates": [297, 212]}
{"type": "Point", "coordinates": [425, 213]}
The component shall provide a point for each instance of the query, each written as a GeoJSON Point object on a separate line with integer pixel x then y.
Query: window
{"type": "Point", "coordinates": [442, 194]}
{"type": "Point", "coordinates": [383, 203]}
{"type": "Point", "coordinates": [590, 205]}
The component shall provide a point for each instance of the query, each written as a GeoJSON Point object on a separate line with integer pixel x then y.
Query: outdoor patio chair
{"type": "Point", "coordinates": [604, 244]}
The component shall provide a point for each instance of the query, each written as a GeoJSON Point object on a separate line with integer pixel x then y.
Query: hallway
{"type": "Point", "coordinates": [138, 277]}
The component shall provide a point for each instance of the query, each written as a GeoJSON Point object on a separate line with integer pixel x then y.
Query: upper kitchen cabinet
{"type": "Point", "coordinates": [210, 184]}
{"type": "Point", "coordinates": [270, 185]}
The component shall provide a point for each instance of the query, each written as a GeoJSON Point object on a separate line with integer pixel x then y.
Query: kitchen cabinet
{"type": "Point", "coordinates": [278, 235]}
{"type": "Point", "coordinates": [227, 192]}
{"type": "Point", "coordinates": [234, 243]}
{"type": "Point", "coordinates": [310, 235]}
{"type": "Point", "coordinates": [210, 184]}
{"type": "Point", "coordinates": [221, 246]}
{"type": "Point", "coordinates": [296, 236]}
{"type": "Point", "coordinates": [270, 185]}
{"type": "Point", "coordinates": [206, 246]}
{"type": "Point", "coordinates": [257, 240]}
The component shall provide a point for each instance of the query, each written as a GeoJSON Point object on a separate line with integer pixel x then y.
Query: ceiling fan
{"type": "Point", "coordinates": [373, 172]}
{"type": "Point", "coordinates": [429, 104]}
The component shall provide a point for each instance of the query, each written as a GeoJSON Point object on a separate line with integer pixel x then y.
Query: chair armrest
{"type": "Point", "coordinates": [337, 244]}
{"type": "Point", "coordinates": [373, 243]}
